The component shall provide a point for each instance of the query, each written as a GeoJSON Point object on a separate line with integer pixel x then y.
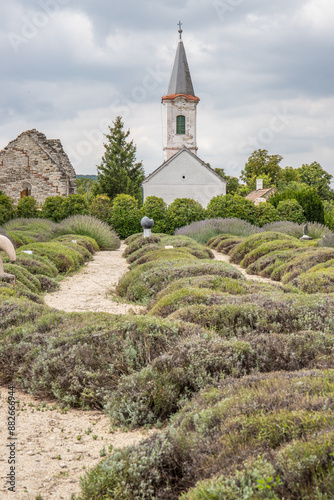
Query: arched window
{"type": "Point", "coordinates": [26, 189]}
{"type": "Point", "coordinates": [180, 124]}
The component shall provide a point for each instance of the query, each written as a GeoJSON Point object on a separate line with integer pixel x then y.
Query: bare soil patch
{"type": "Point", "coordinates": [89, 289]}
{"type": "Point", "coordinates": [53, 447]}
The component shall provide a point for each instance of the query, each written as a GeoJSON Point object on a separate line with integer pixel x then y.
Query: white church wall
{"type": "Point", "coordinates": [184, 177]}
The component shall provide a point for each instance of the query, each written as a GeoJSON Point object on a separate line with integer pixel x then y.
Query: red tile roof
{"type": "Point", "coordinates": [259, 193]}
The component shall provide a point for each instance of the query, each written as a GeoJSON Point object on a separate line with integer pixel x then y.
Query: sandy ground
{"type": "Point", "coordinates": [53, 448]}
{"type": "Point", "coordinates": [88, 289]}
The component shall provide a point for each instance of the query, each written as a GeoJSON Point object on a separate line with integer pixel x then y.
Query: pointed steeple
{"type": "Point", "coordinates": [180, 104]}
{"type": "Point", "coordinates": [180, 82]}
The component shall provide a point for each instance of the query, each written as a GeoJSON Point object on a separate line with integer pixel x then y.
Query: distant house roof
{"type": "Point", "coordinates": [260, 193]}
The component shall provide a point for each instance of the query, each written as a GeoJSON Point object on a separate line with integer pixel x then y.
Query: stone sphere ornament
{"type": "Point", "coordinates": [147, 225]}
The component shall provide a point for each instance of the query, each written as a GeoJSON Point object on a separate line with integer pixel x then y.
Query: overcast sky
{"type": "Point", "coordinates": [262, 69]}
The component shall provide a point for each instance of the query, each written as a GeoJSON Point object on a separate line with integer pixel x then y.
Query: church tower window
{"type": "Point", "coordinates": [180, 124]}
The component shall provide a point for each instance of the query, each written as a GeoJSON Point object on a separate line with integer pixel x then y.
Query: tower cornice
{"type": "Point", "coordinates": [171, 97]}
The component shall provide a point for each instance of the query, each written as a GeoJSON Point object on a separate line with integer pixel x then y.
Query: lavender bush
{"type": "Point", "coordinates": [203, 230]}
{"type": "Point", "coordinates": [315, 230]}
{"type": "Point", "coordinates": [86, 225]}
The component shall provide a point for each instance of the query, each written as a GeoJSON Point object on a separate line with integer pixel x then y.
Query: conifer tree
{"type": "Point", "coordinates": [119, 172]}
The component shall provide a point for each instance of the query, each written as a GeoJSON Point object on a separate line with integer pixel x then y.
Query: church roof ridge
{"type": "Point", "coordinates": [182, 150]}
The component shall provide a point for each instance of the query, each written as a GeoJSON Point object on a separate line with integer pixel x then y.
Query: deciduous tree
{"type": "Point", "coordinates": [261, 163]}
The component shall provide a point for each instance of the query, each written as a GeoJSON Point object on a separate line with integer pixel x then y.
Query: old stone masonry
{"type": "Point", "coordinates": [33, 165]}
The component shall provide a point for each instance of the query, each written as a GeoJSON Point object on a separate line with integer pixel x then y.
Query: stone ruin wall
{"type": "Point", "coordinates": [26, 163]}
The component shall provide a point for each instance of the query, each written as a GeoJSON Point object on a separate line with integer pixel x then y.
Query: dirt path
{"type": "Point", "coordinates": [53, 448]}
{"type": "Point", "coordinates": [225, 258]}
{"type": "Point", "coordinates": [88, 289]}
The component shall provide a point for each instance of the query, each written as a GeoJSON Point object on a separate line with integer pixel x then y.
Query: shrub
{"type": "Point", "coordinates": [47, 284]}
{"type": "Point", "coordinates": [317, 281]}
{"type": "Point", "coordinates": [101, 208]}
{"type": "Point", "coordinates": [74, 204]}
{"type": "Point", "coordinates": [267, 248]}
{"type": "Point", "coordinates": [291, 210]}
{"type": "Point", "coordinates": [267, 265]}
{"type": "Point", "coordinates": [6, 208]}
{"type": "Point", "coordinates": [249, 244]}
{"type": "Point", "coordinates": [80, 241]}
{"type": "Point", "coordinates": [33, 229]}
{"type": "Point", "coordinates": [307, 197]}
{"type": "Point", "coordinates": [86, 225]}
{"type": "Point", "coordinates": [211, 282]}
{"type": "Point", "coordinates": [227, 244]}
{"type": "Point", "coordinates": [222, 435]}
{"type": "Point", "coordinates": [315, 230]}
{"type": "Point", "coordinates": [36, 264]}
{"type": "Point", "coordinates": [52, 208]}
{"type": "Point", "coordinates": [64, 258]}
{"type": "Point", "coordinates": [155, 208]}
{"type": "Point", "coordinates": [27, 207]}
{"type": "Point", "coordinates": [202, 231]}
{"type": "Point", "coordinates": [157, 391]}
{"type": "Point", "coordinates": [265, 213]}
{"type": "Point", "coordinates": [184, 297]}
{"type": "Point", "coordinates": [301, 263]}
{"type": "Point", "coordinates": [181, 212]}
{"type": "Point", "coordinates": [165, 254]}
{"type": "Point", "coordinates": [239, 315]}
{"type": "Point", "coordinates": [78, 358]}
{"type": "Point", "coordinates": [143, 282]}
{"type": "Point", "coordinates": [23, 276]}
{"type": "Point", "coordinates": [139, 243]}
{"type": "Point", "coordinates": [125, 215]}
{"type": "Point", "coordinates": [232, 206]}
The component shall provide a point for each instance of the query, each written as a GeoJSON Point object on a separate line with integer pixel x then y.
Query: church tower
{"type": "Point", "coordinates": [180, 105]}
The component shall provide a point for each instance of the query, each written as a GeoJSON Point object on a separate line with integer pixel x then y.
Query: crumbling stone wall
{"type": "Point", "coordinates": [33, 165]}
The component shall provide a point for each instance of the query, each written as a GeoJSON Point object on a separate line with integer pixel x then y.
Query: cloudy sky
{"type": "Point", "coordinates": [262, 69]}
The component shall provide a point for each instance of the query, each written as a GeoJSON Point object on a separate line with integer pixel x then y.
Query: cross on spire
{"type": "Point", "coordinates": [180, 29]}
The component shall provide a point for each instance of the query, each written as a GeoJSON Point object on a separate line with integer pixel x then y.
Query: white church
{"type": "Point", "coordinates": [183, 174]}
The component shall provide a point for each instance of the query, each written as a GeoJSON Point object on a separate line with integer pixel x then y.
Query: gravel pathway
{"type": "Point", "coordinates": [89, 289]}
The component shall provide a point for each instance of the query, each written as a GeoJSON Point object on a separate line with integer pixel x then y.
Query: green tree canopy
{"type": "Point", "coordinates": [315, 176]}
{"type": "Point", "coordinates": [119, 172]}
{"type": "Point", "coordinates": [232, 183]}
{"type": "Point", "coordinates": [6, 208]}
{"type": "Point", "coordinates": [27, 207]}
{"type": "Point", "coordinates": [231, 206]}
{"type": "Point", "coordinates": [260, 164]}
{"type": "Point", "coordinates": [307, 197]}
{"type": "Point", "coordinates": [85, 187]}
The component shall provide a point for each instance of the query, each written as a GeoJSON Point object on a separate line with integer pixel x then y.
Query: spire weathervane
{"type": "Point", "coordinates": [180, 29]}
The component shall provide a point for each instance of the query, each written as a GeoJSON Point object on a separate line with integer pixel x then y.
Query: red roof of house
{"type": "Point", "coordinates": [259, 193]}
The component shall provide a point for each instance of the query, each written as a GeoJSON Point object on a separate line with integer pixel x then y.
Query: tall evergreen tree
{"type": "Point", "coordinates": [119, 172]}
